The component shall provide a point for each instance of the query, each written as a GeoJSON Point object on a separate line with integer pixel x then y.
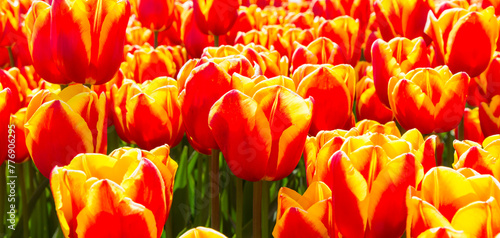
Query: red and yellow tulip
{"type": "Point", "coordinates": [130, 189]}
{"type": "Point", "coordinates": [77, 41]}
{"type": "Point", "coordinates": [308, 215]}
{"type": "Point", "coordinates": [431, 100]}
{"type": "Point", "coordinates": [5, 111]}
{"type": "Point", "coordinates": [202, 232]}
{"type": "Point", "coordinates": [60, 126]}
{"type": "Point", "coordinates": [368, 104]}
{"type": "Point", "coordinates": [452, 33]}
{"type": "Point", "coordinates": [483, 159]}
{"type": "Point", "coordinates": [148, 114]}
{"type": "Point", "coordinates": [215, 17]}
{"type": "Point", "coordinates": [261, 137]}
{"type": "Point", "coordinates": [489, 116]}
{"type": "Point", "coordinates": [155, 14]}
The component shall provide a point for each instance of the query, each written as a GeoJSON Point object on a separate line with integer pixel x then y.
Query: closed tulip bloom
{"type": "Point", "coordinates": [204, 86]}
{"type": "Point", "coordinates": [308, 215]}
{"type": "Point", "coordinates": [452, 33]}
{"type": "Point", "coordinates": [215, 17]}
{"type": "Point", "coordinates": [344, 31]}
{"type": "Point", "coordinates": [155, 14]}
{"type": "Point", "coordinates": [456, 200]}
{"type": "Point", "coordinates": [402, 18]}
{"type": "Point", "coordinates": [489, 81]}
{"type": "Point", "coordinates": [125, 194]}
{"type": "Point", "coordinates": [369, 192]}
{"type": "Point", "coordinates": [21, 152]}
{"type": "Point", "coordinates": [482, 158]}
{"type": "Point", "coordinates": [148, 63]}
{"type": "Point", "coordinates": [489, 116]}
{"type": "Point", "coordinates": [148, 114]}
{"type": "Point", "coordinates": [5, 111]}
{"type": "Point", "coordinates": [399, 55]}
{"type": "Point", "coordinates": [368, 104]}
{"type": "Point", "coordinates": [77, 41]}
{"type": "Point", "coordinates": [18, 87]}
{"type": "Point", "coordinates": [193, 38]}
{"type": "Point", "coordinates": [320, 51]}
{"type": "Point", "coordinates": [262, 137]}
{"type": "Point", "coordinates": [202, 232]}
{"type": "Point", "coordinates": [60, 126]}
{"type": "Point", "coordinates": [332, 88]}
{"type": "Point", "coordinates": [431, 100]}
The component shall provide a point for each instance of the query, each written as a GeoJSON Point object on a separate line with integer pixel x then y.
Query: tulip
{"type": "Point", "coordinates": [431, 100]}
{"type": "Point", "coordinates": [148, 63]}
{"type": "Point", "coordinates": [489, 116]}
{"type": "Point", "coordinates": [69, 44]}
{"type": "Point", "coordinates": [272, 133]}
{"type": "Point", "coordinates": [204, 86]}
{"type": "Point", "coordinates": [327, 9]}
{"type": "Point", "coordinates": [368, 104]}
{"type": "Point", "coordinates": [472, 126]}
{"type": "Point", "coordinates": [156, 15]}
{"type": "Point", "coordinates": [455, 200]}
{"type": "Point", "coordinates": [130, 189]}
{"type": "Point", "coordinates": [452, 33]}
{"type": "Point", "coordinates": [369, 192]}
{"type": "Point", "coordinates": [194, 40]}
{"type": "Point", "coordinates": [17, 85]}
{"type": "Point", "coordinates": [402, 18]}
{"type": "Point", "coordinates": [443, 232]}
{"type": "Point", "coordinates": [399, 55]}
{"type": "Point", "coordinates": [60, 126]}
{"type": "Point", "coordinates": [489, 80]}
{"type": "Point", "coordinates": [244, 23]}
{"type": "Point", "coordinates": [344, 31]}
{"type": "Point", "coordinates": [148, 114]}
{"type": "Point", "coordinates": [5, 111]}
{"type": "Point", "coordinates": [21, 152]}
{"type": "Point", "coordinates": [320, 51]}
{"type": "Point", "coordinates": [215, 17]}
{"type": "Point", "coordinates": [483, 159]}
{"type": "Point", "coordinates": [308, 215]}
{"type": "Point", "coordinates": [9, 22]}
{"type": "Point", "coordinates": [332, 88]}
{"type": "Point", "coordinates": [202, 232]}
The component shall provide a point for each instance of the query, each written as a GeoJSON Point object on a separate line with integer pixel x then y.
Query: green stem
{"type": "Point", "coordinates": [3, 198]}
{"type": "Point", "coordinates": [216, 40]}
{"type": "Point", "coordinates": [156, 38]}
{"type": "Point", "coordinates": [168, 228]}
{"type": "Point", "coordinates": [31, 205]}
{"type": "Point", "coordinates": [257, 205]}
{"type": "Point", "coordinates": [265, 209]}
{"type": "Point", "coordinates": [214, 188]}
{"type": "Point", "coordinates": [11, 56]}
{"type": "Point", "coordinates": [239, 207]}
{"type": "Point", "coordinates": [24, 201]}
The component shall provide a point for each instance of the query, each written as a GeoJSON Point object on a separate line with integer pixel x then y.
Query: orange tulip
{"type": "Point", "coordinates": [327, 9]}
{"type": "Point", "coordinates": [320, 51]}
{"type": "Point", "coordinates": [148, 63]}
{"type": "Point", "coordinates": [194, 40]}
{"type": "Point", "coordinates": [202, 232]}
{"type": "Point", "coordinates": [308, 215]}
{"type": "Point", "coordinates": [472, 126]}
{"type": "Point", "coordinates": [399, 55]}
{"type": "Point", "coordinates": [215, 17]}
{"type": "Point", "coordinates": [204, 86]}
{"type": "Point", "coordinates": [369, 192]}
{"type": "Point", "coordinates": [21, 152]}
{"type": "Point", "coordinates": [156, 15]}
{"type": "Point", "coordinates": [443, 232]}
{"type": "Point", "coordinates": [332, 88]}
{"type": "Point", "coordinates": [272, 126]}
{"type": "Point", "coordinates": [456, 200]}
{"type": "Point", "coordinates": [344, 31]}
{"type": "Point", "coordinates": [5, 111]}
{"type": "Point", "coordinates": [60, 126]}
{"type": "Point", "coordinates": [368, 105]}
{"type": "Point", "coordinates": [9, 22]}
{"type": "Point", "coordinates": [78, 41]}
{"type": "Point", "coordinates": [148, 114]}
{"type": "Point", "coordinates": [402, 18]}
{"type": "Point", "coordinates": [17, 85]}
{"type": "Point", "coordinates": [483, 159]}
{"type": "Point", "coordinates": [244, 23]}
{"type": "Point", "coordinates": [431, 100]}
{"type": "Point", "coordinates": [489, 116]}
{"type": "Point", "coordinates": [125, 194]}
{"type": "Point", "coordinates": [452, 33]}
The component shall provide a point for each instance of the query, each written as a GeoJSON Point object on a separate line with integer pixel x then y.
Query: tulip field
{"type": "Point", "coordinates": [249, 118]}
